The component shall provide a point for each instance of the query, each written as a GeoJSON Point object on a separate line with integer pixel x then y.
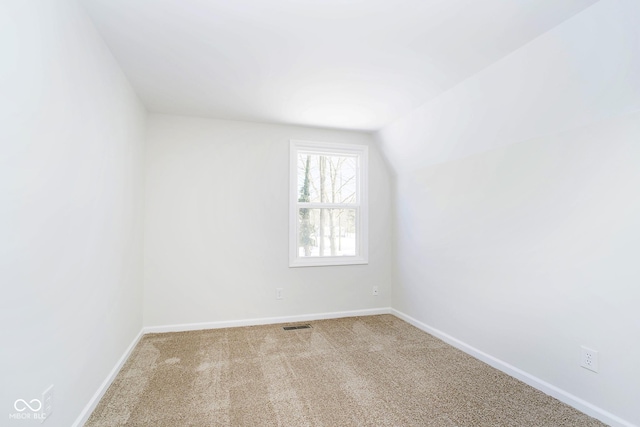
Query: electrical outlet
{"type": "Point", "coordinates": [47, 403]}
{"type": "Point", "coordinates": [375, 291]}
{"type": "Point", "coordinates": [278, 293]}
{"type": "Point", "coordinates": [589, 359]}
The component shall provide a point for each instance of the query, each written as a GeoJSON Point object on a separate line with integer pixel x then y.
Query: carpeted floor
{"type": "Point", "coordinates": [361, 371]}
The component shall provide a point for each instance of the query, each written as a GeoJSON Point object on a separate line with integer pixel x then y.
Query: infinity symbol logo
{"type": "Point", "coordinates": [26, 405]}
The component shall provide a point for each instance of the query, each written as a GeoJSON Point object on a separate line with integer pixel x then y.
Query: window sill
{"type": "Point", "coordinates": [327, 261]}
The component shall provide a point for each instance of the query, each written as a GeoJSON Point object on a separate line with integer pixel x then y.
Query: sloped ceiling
{"type": "Point", "coordinates": [349, 64]}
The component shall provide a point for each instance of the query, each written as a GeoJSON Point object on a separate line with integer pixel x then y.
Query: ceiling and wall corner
{"type": "Point", "coordinates": [329, 63]}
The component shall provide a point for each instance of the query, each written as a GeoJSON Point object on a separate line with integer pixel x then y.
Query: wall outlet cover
{"type": "Point", "coordinates": [589, 358]}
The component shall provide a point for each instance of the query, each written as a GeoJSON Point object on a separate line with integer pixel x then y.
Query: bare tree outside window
{"type": "Point", "coordinates": [330, 180]}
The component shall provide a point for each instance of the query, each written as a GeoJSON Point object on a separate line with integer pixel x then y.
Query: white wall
{"type": "Point", "coordinates": [519, 211]}
{"type": "Point", "coordinates": [216, 226]}
{"type": "Point", "coordinates": [71, 176]}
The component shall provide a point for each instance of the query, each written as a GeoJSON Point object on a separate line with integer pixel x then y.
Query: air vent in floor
{"type": "Point", "coordinates": [293, 328]}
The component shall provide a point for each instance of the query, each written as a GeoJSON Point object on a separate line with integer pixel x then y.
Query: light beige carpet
{"type": "Point", "coordinates": [361, 371]}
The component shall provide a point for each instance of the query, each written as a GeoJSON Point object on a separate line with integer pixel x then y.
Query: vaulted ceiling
{"type": "Point", "coordinates": [351, 64]}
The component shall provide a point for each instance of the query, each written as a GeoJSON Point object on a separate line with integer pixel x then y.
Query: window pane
{"type": "Point", "coordinates": [326, 232]}
{"type": "Point", "coordinates": [327, 179]}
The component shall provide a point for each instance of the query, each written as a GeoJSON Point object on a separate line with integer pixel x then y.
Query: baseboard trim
{"type": "Point", "coordinates": [535, 382]}
{"type": "Point", "coordinates": [93, 402]}
{"type": "Point", "coordinates": [264, 320]}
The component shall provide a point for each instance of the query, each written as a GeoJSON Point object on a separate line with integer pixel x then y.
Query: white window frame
{"type": "Point", "coordinates": [361, 205]}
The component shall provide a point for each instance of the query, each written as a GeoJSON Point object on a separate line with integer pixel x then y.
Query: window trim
{"type": "Point", "coordinates": [362, 208]}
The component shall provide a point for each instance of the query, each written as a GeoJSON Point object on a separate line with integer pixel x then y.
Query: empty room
{"type": "Point", "coordinates": [320, 213]}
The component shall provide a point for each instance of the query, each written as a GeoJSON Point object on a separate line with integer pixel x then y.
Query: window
{"type": "Point", "coordinates": [328, 198]}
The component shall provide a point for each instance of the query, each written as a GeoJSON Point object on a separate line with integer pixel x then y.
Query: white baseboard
{"type": "Point", "coordinates": [264, 320]}
{"type": "Point", "coordinates": [86, 412]}
{"type": "Point", "coordinates": [535, 382]}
